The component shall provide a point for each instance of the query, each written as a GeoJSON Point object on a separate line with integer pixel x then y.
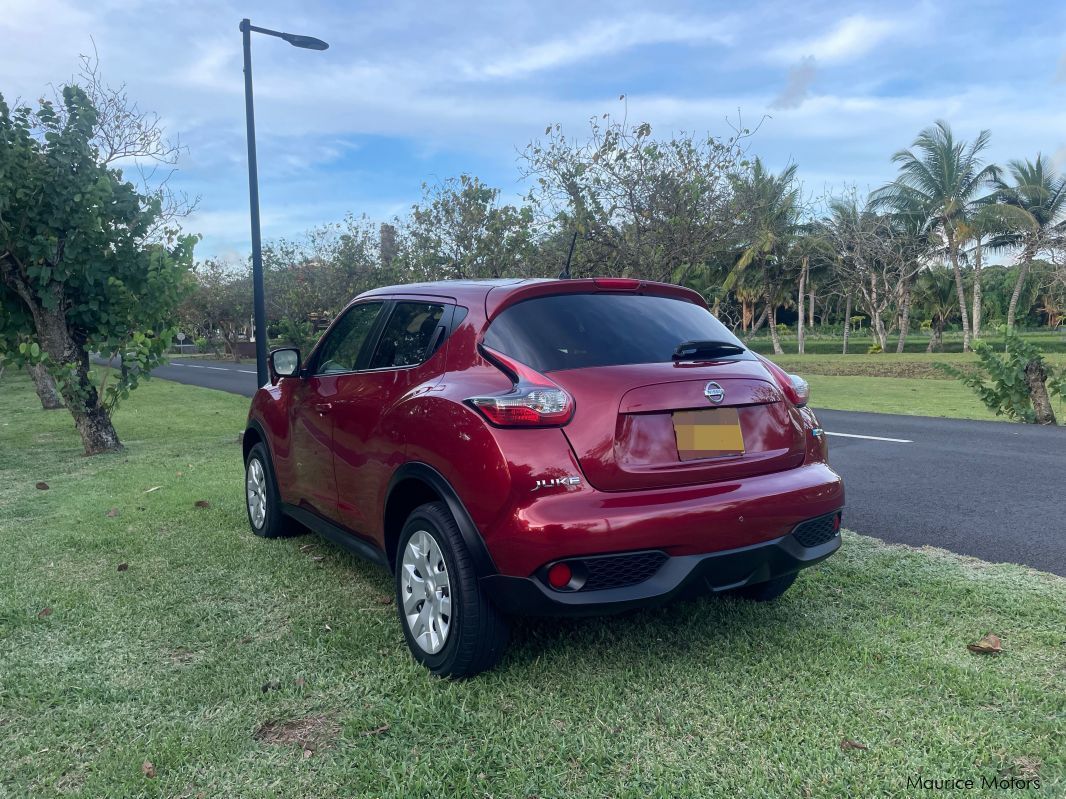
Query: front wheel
{"type": "Point", "coordinates": [450, 626]}
{"type": "Point", "coordinates": [261, 494]}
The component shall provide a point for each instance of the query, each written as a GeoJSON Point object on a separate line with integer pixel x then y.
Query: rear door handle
{"type": "Point", "coordinates": [323, 407]}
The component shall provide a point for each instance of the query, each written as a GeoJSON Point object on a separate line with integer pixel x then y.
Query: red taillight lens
{"type": "Point", "coordinates": [535, 401]}
{"type": "Point", "coordinates": [560, 575]}
{"type": "Point", "coordinates": [792, 386]}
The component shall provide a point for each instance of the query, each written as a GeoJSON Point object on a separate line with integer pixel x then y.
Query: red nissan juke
{"type": "Point", "coordinates": [541, 447]}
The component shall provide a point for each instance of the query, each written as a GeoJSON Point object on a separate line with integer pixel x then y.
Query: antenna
{"type": "Point", "coordinates": [565, 274]}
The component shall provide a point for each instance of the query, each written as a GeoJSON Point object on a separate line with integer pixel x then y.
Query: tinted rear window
{"type": "Point", "coordinates": [572, 331]}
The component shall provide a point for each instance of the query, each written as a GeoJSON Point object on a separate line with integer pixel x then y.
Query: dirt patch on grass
{"type": "Point", "coordinates": [309, 732]}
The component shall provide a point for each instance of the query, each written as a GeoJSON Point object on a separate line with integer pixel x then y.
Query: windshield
{"type": "Point", "coordinates": [572, 331]}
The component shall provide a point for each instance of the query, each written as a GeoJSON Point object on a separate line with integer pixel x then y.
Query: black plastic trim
{"type": "Point", "coordinates": [679, 576]}
{"type": "Point", "coordinates": [335, 533]}
{"type": "Point", "coordinates": [475, 544]}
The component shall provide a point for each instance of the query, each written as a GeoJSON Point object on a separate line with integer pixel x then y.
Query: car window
{"type": "Point", "coordinates": [571, 331]}
{"type": "Point", "coordinates": [340, 351]}
{"type": "Point", "coordinates": [407, 335]}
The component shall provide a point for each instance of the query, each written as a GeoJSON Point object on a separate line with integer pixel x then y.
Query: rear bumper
{"type": "Point", "coordinates": [679, 576]}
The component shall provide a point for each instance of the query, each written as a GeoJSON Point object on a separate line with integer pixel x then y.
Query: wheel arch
{"type": "Point", "coordinates": [415, 484]}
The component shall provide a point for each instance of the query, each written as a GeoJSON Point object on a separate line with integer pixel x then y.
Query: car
{"type": "Point", "coordinates": [543, 447]}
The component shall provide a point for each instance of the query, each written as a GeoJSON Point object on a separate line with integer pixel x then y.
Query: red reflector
{"type": "Point", "coordinates": [559, 575]}
{"type": "Point", "coordinates": [836, 522]}
{"type": "Point", "coordinates": [617, 283]}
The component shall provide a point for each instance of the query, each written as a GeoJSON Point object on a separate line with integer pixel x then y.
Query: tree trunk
{"type": "Point", "coordinates": [977, 291]}
{"type": "Point", "coordinates": [904, 317]}
{"type": "Point", "coordinates": [1019, 284]}
{"type": "Point", "coordinates": [758, 323]}
{"type": "Point", "coordinates": [799, 324]}
{"type": "Point", "coordinates": [1036, 377]}
{"type": "Point", "coordinates": [771, 320]}
{"type": "Point", "coordinates": [745, 315]}
{"type": "Point", "coordinates": [90, 418]}
{"type": "Point", "coordinates": [810, 318]}
{"type": "Point", "coordinates": [45, 387]}
{"type": "Point", "coordinates": [847, 322]}
{"type": "Point", "coordinates": [960, 291]}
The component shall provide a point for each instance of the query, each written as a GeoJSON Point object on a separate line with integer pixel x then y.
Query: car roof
{"type": "Point", "coordinates": [462, 290]}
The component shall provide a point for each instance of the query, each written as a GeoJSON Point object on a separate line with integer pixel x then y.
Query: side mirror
{"type": "Point", "coordinates": [285, 362]}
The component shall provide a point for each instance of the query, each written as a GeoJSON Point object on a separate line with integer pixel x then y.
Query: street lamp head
{"type": "Point", "coordinates": [306, 42]}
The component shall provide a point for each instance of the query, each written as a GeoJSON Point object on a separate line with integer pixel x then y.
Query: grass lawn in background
{"type": "Point", "coordinates": [909, 384]}
{"type": "Point", "coordinates": [150, 647]}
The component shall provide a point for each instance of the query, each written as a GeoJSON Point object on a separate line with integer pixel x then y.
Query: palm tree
{"type": "Point", "coordinates": [934, 292]}
{"type": "Point", "coordinates": [1037, 196]}
{"type": "Point", "coordinates": [944, 179]}
{"type": "Point", "coordinates": [769, 206]}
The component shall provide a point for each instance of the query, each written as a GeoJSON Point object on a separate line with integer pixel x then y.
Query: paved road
{"type": "Point", "coordinates": [993, 490]}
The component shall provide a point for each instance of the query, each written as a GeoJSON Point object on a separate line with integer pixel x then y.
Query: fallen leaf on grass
{"type": "Point", "coordinates": [44, 613]}
{"type": "Point", "coordinates": [202, 503]}
{"type": "Point", "coordinates": [384, 600]}
{"type": "Point", "coordinates": [111, 514]}
{"type": "Point", "coordinates": [307, 753]}
{"type": "Point", "coordinates": [123, 567]}
{"type": "Point", "coordinates": [153, 488]}
{"type": "Point", "coordinates": [988, 645]}
{"type": "Point", "coordinates": [307, 547]}
{"type": "Point", "coordinates": [148, 769]}
{"type": "Point", "coordinates": [272, 685]}
{"type": "Point", "coordinates": [847, 743]}
{"type": "Point", "coordinates": [376, 731]}
{"type": "Point", "coordinates": [318, 558]}
{"type": "Point", "coordinates": [42, 486]}
{"type": "Point", "coordinates": [300, 682]}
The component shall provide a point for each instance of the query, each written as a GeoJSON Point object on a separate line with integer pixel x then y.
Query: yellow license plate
{"type": "Point", "coordinates": [710, 433]}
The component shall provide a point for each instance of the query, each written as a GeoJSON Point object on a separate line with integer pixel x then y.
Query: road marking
{"type": "Point", "coordinates": [247, 371]}
{"type": "Point", "coordinates": [871, 438]}
{"type": "Point", "coordinates": [192, 366]}
{"type": "Point", "coordinates": [217, 368]}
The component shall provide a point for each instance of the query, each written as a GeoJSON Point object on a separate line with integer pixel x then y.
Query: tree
{"type": "Point", "coordinates": [220, 301]}
{"type": "Point", "coordinates": [83, 251]}
{"type": "Point", "coordinates": [641, 207]}
{"type": "Point", "coordinates": [1037, 195]}
{"type": "Point", "coordinates": [768, 207]}
{"type": "Point", "coordinates": [460, 230]}
{"type": "Point", "coordinates": [944, 179]}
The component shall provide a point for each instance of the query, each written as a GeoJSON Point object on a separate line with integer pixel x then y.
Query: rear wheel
{"type": "Point", "coordinates": [450, 627]}
{"type": "Point", "coordinates": [768, 591]}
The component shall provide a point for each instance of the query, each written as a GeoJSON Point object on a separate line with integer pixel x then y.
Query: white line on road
{"type": "Point", "coordinates": [217, 368]}
{"type": "Point", "coordinates": [871, 438]}
{"type": "Point", "coordinates": [247, 371]}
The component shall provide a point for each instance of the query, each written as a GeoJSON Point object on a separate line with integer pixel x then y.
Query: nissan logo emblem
{"type": "Point", "coordinates": [714, 392]}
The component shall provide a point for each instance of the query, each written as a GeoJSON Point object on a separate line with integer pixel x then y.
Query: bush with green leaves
{"type": "Point", "coordinates": [1015, 383]}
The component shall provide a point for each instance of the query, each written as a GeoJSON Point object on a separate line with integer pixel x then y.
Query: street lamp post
{"type": "Point", "coordinates": [258, 294]}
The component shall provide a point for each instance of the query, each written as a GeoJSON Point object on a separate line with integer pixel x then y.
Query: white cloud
{"type": "Point", "coordinates": [599, 39]}
{"type": "Point", "coordinates": [852, 37]}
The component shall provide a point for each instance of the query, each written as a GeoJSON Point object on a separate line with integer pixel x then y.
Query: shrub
{"type": "Point", "coordinates": [1015, 384]}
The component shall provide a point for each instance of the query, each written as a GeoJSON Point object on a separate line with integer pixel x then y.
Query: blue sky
{"type": "Point", "coordinates": [411, 92]}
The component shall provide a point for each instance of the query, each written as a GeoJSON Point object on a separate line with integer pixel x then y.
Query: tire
{"type": "Point", "coordinates": [459, 636]}
{"type": "Point", "coordinates": [258, 469]}
{"type": "Point", "coordinates": [768, 591]}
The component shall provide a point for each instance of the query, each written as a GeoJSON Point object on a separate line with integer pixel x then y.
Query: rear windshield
{"type": "Point", "coordinates": [573, 331]}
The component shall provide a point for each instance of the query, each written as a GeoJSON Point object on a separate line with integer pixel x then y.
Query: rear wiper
{"type": "Point", "coordinates": [702, 350]}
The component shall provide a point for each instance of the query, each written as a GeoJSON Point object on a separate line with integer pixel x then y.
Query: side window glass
{"type": "Point", "coordinates": [340, 350]}
{"type": "Point", "coordinates": [407, 335]}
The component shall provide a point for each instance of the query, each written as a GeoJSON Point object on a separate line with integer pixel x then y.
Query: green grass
{"type": "Point", "coordinates": [211, 633]}
{"type": "Point", "coordinates": [908, 384]}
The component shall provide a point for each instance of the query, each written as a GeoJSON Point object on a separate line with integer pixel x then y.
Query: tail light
{"type": "Point", "coordinates": [534, 401]}
{"type": "Point", "coordinates": [792, 386]}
